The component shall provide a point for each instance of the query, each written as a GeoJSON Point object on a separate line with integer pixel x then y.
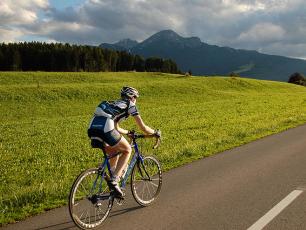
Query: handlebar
{"type": "Point", "coordinates": [135, 136]}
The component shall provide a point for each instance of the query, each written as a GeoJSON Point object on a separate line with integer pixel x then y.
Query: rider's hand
{"type": "Point", "coordinates": [131, 133]}
{"type": "Point", "coordinates": [157, 133]}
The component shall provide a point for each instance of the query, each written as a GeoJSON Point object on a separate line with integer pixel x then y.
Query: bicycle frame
{"type": "Point", "coordinates": [105, 164]}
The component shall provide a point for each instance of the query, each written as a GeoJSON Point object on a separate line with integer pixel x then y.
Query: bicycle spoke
{"type": "Point", "coordinates": [90, 210]}
{"type": "Point", "coordinates": [88, 217]}
{"type": "Point", "coordinates": [148, 189]}
{"type": "Point", "coordinates": [145, 189]}
{"type": "Point", "coordinates": [82, 215]}
{"type": "Point", "coordinates": [155, 185]}
{"type": "Point", "coordinates": [85, 190]}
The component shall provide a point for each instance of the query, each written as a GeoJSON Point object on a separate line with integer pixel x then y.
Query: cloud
{"type": "Point", "coordinates": [15, 15]}
{"type": "Point", "coordinates": [295, 50]}
{"type": "Point", "coordinates": [263, 25]}
{"type": "Point", "coordinates": [263, 33]}
{"type": "Point", "coordinates": [20, 12]}
{"type": "Point", "coordinates": [9, 35]}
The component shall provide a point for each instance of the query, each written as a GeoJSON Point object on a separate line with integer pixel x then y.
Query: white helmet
{"type": "Point", "coordinates": [129, 92]}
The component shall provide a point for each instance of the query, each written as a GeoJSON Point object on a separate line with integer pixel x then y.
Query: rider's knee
{"type": "Point", "coordinates": [127, 150]}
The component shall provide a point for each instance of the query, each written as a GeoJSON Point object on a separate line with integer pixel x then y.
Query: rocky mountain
{"type": "Point", "coordinates": [204, 59]}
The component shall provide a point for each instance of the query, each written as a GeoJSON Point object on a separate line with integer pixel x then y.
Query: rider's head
{"type": "Point", "coordinates": [129, 93]}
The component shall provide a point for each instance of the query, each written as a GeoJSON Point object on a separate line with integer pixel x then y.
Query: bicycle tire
{"type": "Point", "coordinates": [83, 192]}
{"type": "Point", "coordinates": [146, 190]}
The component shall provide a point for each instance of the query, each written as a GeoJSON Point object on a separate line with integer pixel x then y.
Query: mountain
{"type": "Point", "coordinates": [125, 44]}
{"type": "Point", "coordinates": [204, 59]}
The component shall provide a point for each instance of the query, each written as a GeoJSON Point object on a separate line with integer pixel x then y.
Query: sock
{"type": "Point", "coordinates": [115, 178]}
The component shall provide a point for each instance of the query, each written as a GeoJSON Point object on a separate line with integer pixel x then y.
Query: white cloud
{"type": "Point", "coordinates": [20, 12]}
{"type": "Point", "coordinates": [263, 33]}
{"type": "Point", "coordinates": [9, 35]}
{"type": "Point", "coordinates": [244, 6]}
{"type": "Point", "coordinates": [295, 50]}
{"type": "Point", "coordinates": [16, 15]}
{"type": "Point", "coordinates": [247, 24]}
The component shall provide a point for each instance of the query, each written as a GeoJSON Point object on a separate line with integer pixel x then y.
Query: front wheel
{"type": "Point", "coordinates": [89, 200]}
{"type": "Point", "coordinates": [146, 180]}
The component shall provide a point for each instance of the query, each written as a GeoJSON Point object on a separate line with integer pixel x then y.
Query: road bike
{"type": "Point", "coordinates": [91, 199]}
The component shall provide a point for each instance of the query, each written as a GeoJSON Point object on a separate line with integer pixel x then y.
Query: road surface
{"type": "Point", "coordinates": [259, 185]}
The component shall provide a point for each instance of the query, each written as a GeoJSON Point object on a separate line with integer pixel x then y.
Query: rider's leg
{"type": "Point", "coordinates": [125, 149]}
{"type": "Point", "coordinates": [113, 163]}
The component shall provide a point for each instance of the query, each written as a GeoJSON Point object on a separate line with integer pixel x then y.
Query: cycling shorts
{"type": "Point", "coordinates": [103, 127]}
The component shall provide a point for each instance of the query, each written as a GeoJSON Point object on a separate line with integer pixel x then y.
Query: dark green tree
{"type": "Point", "coordinates": [296, 78]}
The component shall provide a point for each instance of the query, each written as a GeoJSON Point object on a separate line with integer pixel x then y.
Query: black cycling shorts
{"type": "Point", "coordinates": [111, 138]}
{"type": "Point", "coordinates": [96, 129]}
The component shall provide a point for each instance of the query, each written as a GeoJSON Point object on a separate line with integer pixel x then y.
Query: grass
{"type": "Point", "coordinates": [44, 119]}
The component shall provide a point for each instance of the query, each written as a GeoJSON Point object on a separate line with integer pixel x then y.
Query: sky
{"type": "Point", "coordinates": [268, 26]}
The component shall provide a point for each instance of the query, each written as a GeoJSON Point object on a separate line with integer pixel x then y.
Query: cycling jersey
{"type": "Point", "coordinates": [108, 112]}
{"type": "Point", "coordinates": [119, 109]}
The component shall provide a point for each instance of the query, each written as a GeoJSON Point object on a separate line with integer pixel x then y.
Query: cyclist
{"type": "Point", "coordinates": [104, 126]}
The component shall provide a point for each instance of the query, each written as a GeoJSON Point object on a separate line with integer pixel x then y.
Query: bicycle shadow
{"type": "Point", "coordinates": [71, 225]}
{"type": "Point", "coordinates": [123, 211]}
{"type": "Point", "coordinates": [60, 226]}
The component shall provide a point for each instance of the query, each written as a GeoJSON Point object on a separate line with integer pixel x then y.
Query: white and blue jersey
{"type": "Point", "coordinates": [119, 109]}
{"type": "Point", "coordinates": [106, 114]}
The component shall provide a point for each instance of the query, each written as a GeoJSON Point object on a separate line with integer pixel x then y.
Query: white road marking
{"type": "Point", "coordinates": [263, 221]}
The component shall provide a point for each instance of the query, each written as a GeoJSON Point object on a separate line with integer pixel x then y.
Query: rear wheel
{"type": "Point", "coordinates": [89, 201]}
{"type": "Point", "coordinates": [146, 180]}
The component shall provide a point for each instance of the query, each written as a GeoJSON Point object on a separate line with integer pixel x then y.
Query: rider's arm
{"type": "Point", "coordinates": [120, 130]}
{"type": "Point", "coordinates": [144, 128]}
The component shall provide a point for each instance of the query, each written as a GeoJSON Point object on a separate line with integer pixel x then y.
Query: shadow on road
{"type": "Point", "coordinates": [122, 211]}
{"type": "Point", "coordinates": [59, 226]}
{"type": "Point", "coordinates": [71, 225]}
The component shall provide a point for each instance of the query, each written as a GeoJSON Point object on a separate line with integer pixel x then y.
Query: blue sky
{"type": "Point", "coordinates": [268, 26]}
{"type": "Point", "coordinates": [61, 4]}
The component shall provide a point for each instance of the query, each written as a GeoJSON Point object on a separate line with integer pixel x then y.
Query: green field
{"type": "Point", "coordinates": [44, 119]}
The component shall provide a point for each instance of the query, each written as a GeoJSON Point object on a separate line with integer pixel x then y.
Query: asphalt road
{"type": "Point", "coordinates": [231, 190]}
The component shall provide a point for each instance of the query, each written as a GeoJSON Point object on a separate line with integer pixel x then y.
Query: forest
{"type": "Point", "coordinates": [38, 56]}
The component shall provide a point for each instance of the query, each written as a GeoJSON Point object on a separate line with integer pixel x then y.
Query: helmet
{"type": "Point", "coordinates": [129, 92]}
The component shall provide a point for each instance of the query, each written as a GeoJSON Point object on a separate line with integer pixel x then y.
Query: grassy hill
{"type": "Point", "coordinates": [44, 119]}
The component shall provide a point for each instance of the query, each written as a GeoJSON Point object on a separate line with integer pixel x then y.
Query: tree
{"type": "Point", "coordinates": [139, 64]}
{"type": "Point", "coordinates": [297, 78]}
{"type": "Point", "coordinates": [154, 64]}
{"type": "Point", "coordinates": [16, 61]}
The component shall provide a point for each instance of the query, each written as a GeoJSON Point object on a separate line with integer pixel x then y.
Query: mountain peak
{"type": "Point", "coordinates": [169, 35]}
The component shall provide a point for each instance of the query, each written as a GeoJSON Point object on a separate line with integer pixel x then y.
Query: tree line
{"type": "Point", "coordinates": [37, 56]}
